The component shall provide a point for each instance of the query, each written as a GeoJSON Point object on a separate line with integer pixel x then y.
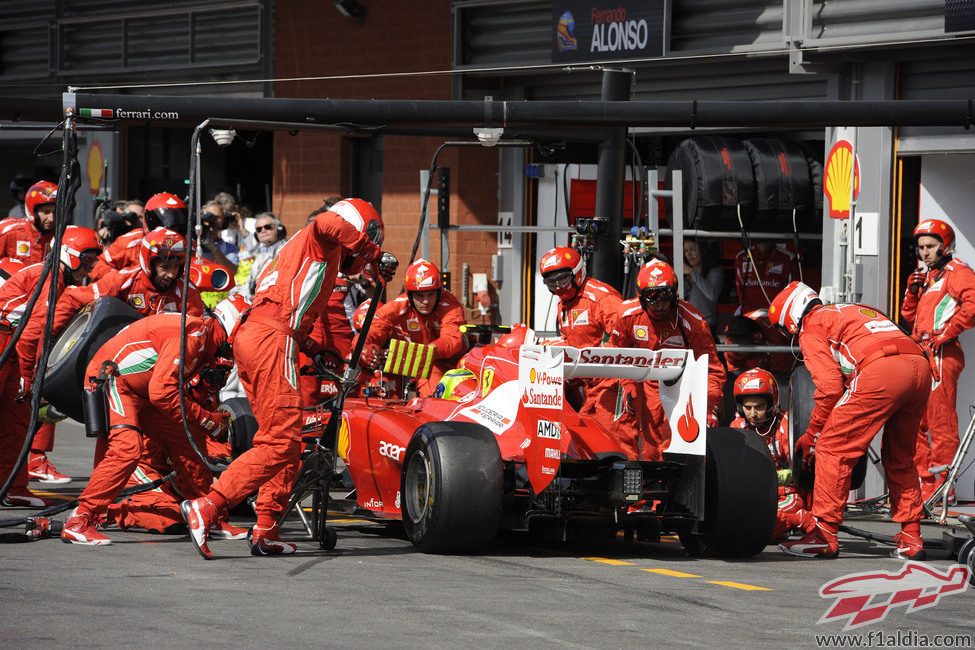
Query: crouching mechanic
{"type": "Point", "coordinates": [141, 383]}
{"type": "Point", "coordinates": [291, 294]}
{"type": "Point", "coordinates": [428, 315]}
{"type": "Point", "coordinates": [658, 320]}
{"type": "Point", "coordinates": [868, 374]}
{"type": "Point", "coordinates": [940, 304]}
{"type": "Point", "coordinates": [587, 309]}
{"type": "Point", "coordinates": [79, 249]}
{"type": "Point", "coordinates": [757, 398]}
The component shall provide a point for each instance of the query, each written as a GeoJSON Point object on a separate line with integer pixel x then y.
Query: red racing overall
{"type": "Point", "coordinates": [868, 374]}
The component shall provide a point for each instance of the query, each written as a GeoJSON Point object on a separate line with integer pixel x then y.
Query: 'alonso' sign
{"type": "Point", "coordinates": [597, 30]}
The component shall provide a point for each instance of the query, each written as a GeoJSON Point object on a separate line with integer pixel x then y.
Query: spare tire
{"type": "Point", "coordinates": [73, 351]}
{"type": "Point", "coordinates": [717, 180]}
{"type": "Point", "coordinates": [801, 404]}
{"type": "Point", "coordinates": [782, 185]}
{"type": "Point", "coordinates": [243, 425]}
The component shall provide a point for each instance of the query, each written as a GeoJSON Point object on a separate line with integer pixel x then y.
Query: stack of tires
{"type": "Point", "coordinates": [759, 184]}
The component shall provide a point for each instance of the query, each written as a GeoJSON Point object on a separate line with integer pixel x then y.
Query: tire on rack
{"type": "Point", "coordinates": [243, 425]}
{"type": "Point", "coordinates": [451, 487]}
{"type": "Point", "coordinates": [740, 496]}
{"type": "Point", "coordinates": [73, 351]}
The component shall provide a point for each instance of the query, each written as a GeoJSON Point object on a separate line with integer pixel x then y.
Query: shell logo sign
{"type": "Point", "coordinates": [836, 179]}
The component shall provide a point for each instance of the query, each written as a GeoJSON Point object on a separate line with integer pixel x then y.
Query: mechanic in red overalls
{"type": "Point", "coordinates": [586, 312]}
{"type": "Point", "coordinates": [163, 210]}
{"type": "Point", "coordinates": [29, 239]}
{"type": "Point", "coordinates": [333, 332]}
{"type": "Point", "coordinates": [655, 320]}
{"type": "Point", "coordinates": [291, 294]}
{"type": "Point", "coordinates": [759, 276]}
{"type": "Point", "coordinates": [79, 249]}
{"type": "Point", "coordinates": [868, 374]}
{"type": "Point", "coordinates": [426, 314]}
{"type": "Point", "coordinates": [150, 288]}
{"type": "Point", "coordinates": [940, 304]}
{"type": "Point", "coordinates": [157, 510]}
{"type": "Point", "coordinates": [757, 397]}
{"type": "Point", "coordinates": [144, 404]}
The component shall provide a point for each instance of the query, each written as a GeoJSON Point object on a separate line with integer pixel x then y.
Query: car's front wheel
{"type": "Point", "coordinates": [451, 487]}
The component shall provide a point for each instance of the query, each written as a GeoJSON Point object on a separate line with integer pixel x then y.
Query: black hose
{"type": "Point", "coordinates": [929, 543]}
{"type": "Point", "coordinates": [70, 179]}
{"type": "Point", "coordinates": [67, 505]}
{"type": "Point", "coordinates": [424, 203]}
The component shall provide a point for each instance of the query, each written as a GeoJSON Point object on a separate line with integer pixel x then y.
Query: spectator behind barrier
{"type": "Point", "coordinates": [703, 280]}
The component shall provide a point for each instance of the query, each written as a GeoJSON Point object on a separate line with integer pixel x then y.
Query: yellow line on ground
{"type": "Point", "coordinates": [606, 560]}
{"type": "Point", "coordinates": [51, 495]}
{"type": "Point", "coordinates": [673, 574]}
{"type": "Point", "coordinates": [739, 585]}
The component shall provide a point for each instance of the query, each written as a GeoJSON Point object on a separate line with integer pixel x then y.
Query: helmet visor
{"type": "Point", "coordinates": [558, 280]}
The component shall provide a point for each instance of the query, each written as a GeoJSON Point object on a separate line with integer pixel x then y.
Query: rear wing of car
{"type": "Point", "coordinates": [682, 382]}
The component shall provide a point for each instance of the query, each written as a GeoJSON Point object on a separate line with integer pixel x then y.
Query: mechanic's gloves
{"type": "Point", "coordinates": [216, 424]}
{"type": "Point", "coordinates": [713, 416]}
{"type": "Point", "coordinates": [386, 265]}
{"type": "Point", "coordinates": [916, 281]}
{"type": "Point", "coordinates": [371, 356]}
{"type": "Point", "coordinates": [26, 385]}
{"type": "Point", "coordinates": [935, 343]}
{"type": "Point", "coordinates": [806, 448]}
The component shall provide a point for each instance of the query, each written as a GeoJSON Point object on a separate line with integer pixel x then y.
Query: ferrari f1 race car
{"type": "Point", "coordinates": [513, 454]}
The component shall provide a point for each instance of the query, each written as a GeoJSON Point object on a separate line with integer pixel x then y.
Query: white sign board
{"type": "Point", "coordinates": [866, 237]}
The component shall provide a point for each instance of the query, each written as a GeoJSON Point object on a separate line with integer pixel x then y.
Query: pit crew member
{"type": "Point", "coordinates": [150, 288]}
{"type": "Point", "coordinates": [940, 305]}
{"type": "Point", "coordinates": [290, 296]}
{"type": "Point", "coordinates": [426, 314]}
{"type": "Point", "coordinates": [868, 374]}
{"type": "Point", "coordinates": [760, 273]}
{"type": "Point", "coordinates": [143, 404]}
{"type": "Point", "coordinates": [79, 249]}
{"type": "Point", "coordinates": [656, 320]}
{"type": "Point", "coordinates": [757, 398]}
{"type": "Point", "coordinates": [29, 239]}
{"type": "Point", "coordinates": [586, 312]}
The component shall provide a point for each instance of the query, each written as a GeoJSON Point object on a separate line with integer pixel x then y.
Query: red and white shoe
{"type": "Point", "coordinates": [266, 541]}
{"type": "Point", "coordinates": [909, 546]}
{"type": "Point", "coordinates": [39, 468]}
{"type": "Point", "coordinates": [24, 498]}
{"type": "Point", "coordinates": [225, 530]}
{"type": "Point", "coordinates": [818, 543]}
{"type": "Point", "coordinates": [80, 529]}
{"type": "Point", "coordinates": [200, 515]}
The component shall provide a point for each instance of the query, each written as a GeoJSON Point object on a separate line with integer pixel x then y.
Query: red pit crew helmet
{"type": "Point", "coordinates": [656, 281]}
{"type": "Point", "coordinates": [228, 311]}
{"type": "Point", "coordinates": [366, 220]}
{"type": "Point", "coordinates": [563, 271]}
{"type": "Point", "coordinates": [165, 210]}
{"type": "Point", "coordinates": [757, 383]}
{"type": "Point", "coordinates": [162, 244]}
{"type": "Point", "coordinates": [359, 316]}
{"type": "Point", "coordinates": [39, 194]}
{"type": "Point", "coordinates": [422, 275]}
{"type": "Point", "coordinates": [940, 231]}
{"type": "Point", "coordinates": [790, 306]}
{"type": "Point", "coordinates": [80, 245]}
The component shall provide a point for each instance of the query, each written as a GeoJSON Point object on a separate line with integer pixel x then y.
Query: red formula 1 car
{"type": "Point", "coordinates": [512, 453]}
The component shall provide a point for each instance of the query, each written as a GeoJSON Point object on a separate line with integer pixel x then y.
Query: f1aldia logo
{"type": "Point", "coordinates": [866, 598]}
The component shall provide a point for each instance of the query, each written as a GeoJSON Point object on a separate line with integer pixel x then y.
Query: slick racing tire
{"type": "Point", "coordinates": [451, 487]}
{"type": "Point", "coordinates": [243, 425]}
{"type": "Point", "coordinates": [740, 496]}
{"type": "Point", "coordinates": [73, 351]}
{"type": "Point", "coordinates": [801, 404]}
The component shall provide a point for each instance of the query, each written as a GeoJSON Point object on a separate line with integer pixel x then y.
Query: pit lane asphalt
{"type": "Point", "coordinates": [375, 590]}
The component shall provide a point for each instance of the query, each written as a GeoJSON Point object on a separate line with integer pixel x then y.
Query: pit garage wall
{"type": "Point", "coordinates": [948, 192]}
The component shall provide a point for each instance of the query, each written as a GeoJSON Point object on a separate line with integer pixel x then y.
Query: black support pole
{"type": "Point", "coordinates": [610, 177]}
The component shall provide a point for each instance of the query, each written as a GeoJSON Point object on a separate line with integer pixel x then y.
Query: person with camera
{"type": "Point", "coordinates": [113, 221]}
{"type": "Point", "coordinates": [161, 210]}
